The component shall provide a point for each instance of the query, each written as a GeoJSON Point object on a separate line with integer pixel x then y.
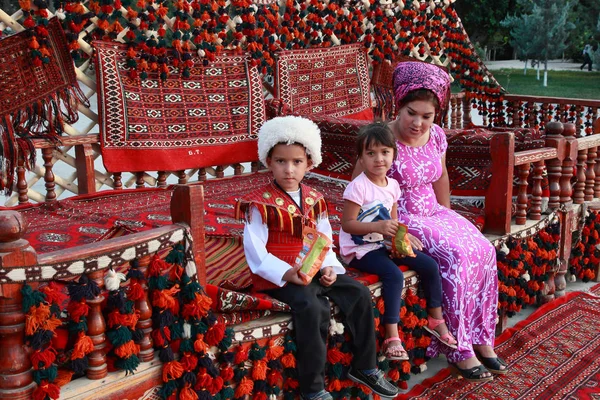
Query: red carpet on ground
{"type": "Point", "coordinates": [553, 354]}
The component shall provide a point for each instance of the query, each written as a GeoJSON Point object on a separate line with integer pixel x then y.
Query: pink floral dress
{"type": "Point", "coordinates": [466, 258]}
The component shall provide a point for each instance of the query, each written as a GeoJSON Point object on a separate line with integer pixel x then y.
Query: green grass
{"type": "Point", "coordinates": [566, 84]}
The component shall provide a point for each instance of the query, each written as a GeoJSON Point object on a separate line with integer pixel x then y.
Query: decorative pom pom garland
{"type": "Point", "coordinates": [524, 264]}
{"type": "Point", "coordinates": [585, 255]}
{"type": "Point", "coordinates": [162, 34]}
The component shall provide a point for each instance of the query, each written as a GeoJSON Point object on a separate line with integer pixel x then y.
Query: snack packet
{"type": "Point", "coordinates": [400, 244]}
{"type": "Point", "coordinates": [315, 246]}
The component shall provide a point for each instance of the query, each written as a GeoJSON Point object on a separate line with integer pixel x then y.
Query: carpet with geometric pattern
{"type": "Point", "coordinates": [553, 354]}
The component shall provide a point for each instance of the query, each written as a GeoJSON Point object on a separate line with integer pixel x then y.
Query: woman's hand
{"type": "Point", "coordinates": [415, 242]}
{"type": "Point", "coordinates": [328, 276]}
{"type": "Point", "coordinates": [291, 276]}
{"type": "Point", "coordinates": [387, 227]}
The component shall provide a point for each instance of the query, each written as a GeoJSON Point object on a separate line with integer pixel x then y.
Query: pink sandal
{"type": "Point", "coordinates": [390, 350]}
{"type": "Point", "coordinates": [446, 338]}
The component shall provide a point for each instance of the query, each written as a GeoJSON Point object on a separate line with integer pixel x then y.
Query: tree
{"type": "Point", "coordinates": [542, 31]}
{"type": "Point", "coordinates": [481, 19]}
{"type": "Point", "coordinates": [524, 31]}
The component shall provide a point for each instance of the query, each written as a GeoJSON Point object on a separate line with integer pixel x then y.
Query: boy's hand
{"type": "Point", "coordinates": [328, 276]}
{"type": "Point", "coordinates": [415, 242]}
{"type": "Point", "coordinates": [291, 276]}
{"type": "Point", "coordinates": [387, 227]}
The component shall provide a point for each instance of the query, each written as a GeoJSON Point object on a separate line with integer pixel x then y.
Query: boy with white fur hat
{"type": "Point", "coordinates": [275, 218]}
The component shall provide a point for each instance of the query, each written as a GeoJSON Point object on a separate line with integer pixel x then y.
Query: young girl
{"type": "Point", "coordinates": [370, 201]}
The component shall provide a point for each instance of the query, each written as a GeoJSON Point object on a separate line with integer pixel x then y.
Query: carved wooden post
{"type": "Point", "coordinates": [536, 191]}
{"type": "Point", "coordinates": [145, 320]}
{"type": "Point", "coordinates": [590, 175]}
{"type": "Point", "coordinates": [16, 380]}
{"type": "Point", "coordinates": [22, 188]}
{"type": "Point", "coordinates": [118, 182]}
{"type": "Point", "coordinates": [97, 368]}
{"type": "Point", "coordinates": [139, 180]}
{"type": "Point", "coordinates": [570, 155]}
{"type": "Point", "coordinates": [466, 112]}
{"type": "Point", "coordinates": [578, 196]}
{"type": "Point", "coordinates": [555, 168]}
{"type": "Point", "coordinates": [219, 171]}
{"type": "Point", "coordinates": [161, 181]}
{"type": "Point", "coordinates": [254, 166]}
{"type": "Point", "coordinates": [181, 177]}
{"type": "Point", "coordinates": [187, 206]}
{"type": "Point", "coordinates": [453, 114]}
{"type": "Point", "coordinates": [84, 165]}
{"type": "Point", "coordinates": [49, 175]}
{"type": "Point", "coordinates": [201, 174]}
{"type": "Point", "coordinates": [523, 173]}
{"type": "Point", "coordinates": [238, 169]}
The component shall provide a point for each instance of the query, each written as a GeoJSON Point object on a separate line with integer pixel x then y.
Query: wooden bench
{"type": "Point", "coordinates": [90, 234]}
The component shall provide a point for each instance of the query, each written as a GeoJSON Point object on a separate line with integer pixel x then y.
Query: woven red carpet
{"type": "Point", "coordinates": [210, 118]}
{"type": "Point", "coordinates": [553, 354]}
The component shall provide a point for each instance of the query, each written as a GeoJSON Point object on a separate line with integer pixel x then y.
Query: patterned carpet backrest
{"type": "Point", "coordinates": [210, 118]}
{"type": "Point", "coordinates": [330, 82]}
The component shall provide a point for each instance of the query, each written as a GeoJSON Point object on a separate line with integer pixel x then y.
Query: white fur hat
{"type": "Point", "coordinates": [290, 130]}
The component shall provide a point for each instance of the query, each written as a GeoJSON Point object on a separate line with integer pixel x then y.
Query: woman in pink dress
{"type": "Point", "coordinates": [466, 259]}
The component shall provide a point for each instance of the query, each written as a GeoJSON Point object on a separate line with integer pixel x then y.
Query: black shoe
{"type": "Point", "coordinates": [474, 374]}
{"type": "Point", "coordinates": [376, 382]}
{"type": "Point", "coordinates": [494, 364]}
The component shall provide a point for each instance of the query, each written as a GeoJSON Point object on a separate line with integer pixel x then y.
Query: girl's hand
{"type": "Point", "coordinates": [387, 227]}
{"type": "Point", "coordinates": [415, 242]}
{"type": "Point", "coordinates": [328, 276]}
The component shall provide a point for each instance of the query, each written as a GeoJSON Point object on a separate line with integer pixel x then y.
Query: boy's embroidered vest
{"type": "Point", "coordinates": [284, 220]}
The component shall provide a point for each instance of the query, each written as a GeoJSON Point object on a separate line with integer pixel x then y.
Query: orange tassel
{"type": "Point", "coordinates": [288, 361]}
{"type": "Point", "coordinates": [115, 318]}
{"type": "Point", "coordinates": [165, 299]}
{"type": "Point", "coordinates": [77, 310]}
{"type": "Point", "coordinates": [127, 350]}
{"type": "Point", "coordinates": [334, 385]}
{"type": "Point", "coordinates": [393, 374]}
{"type": "Point", "coordinates": [215, 334]}
{"type": "Point", "coordinates": [187, 394]}
{"type": "Point", "coordinates": [34, 43]}
{"type": "Point", "coordinates": [52, 323]}
{"type": "Point", "coordinates": [35, 318]}
{"type": "Point", "coordinates": [259, 370]}
{"type": "Point", "coordinates": [45, 357]}
{"type": "Point", "coordinates": [244, 387]}
{"type": "Point", "coordinates": [274, 351]}
{"type": "Point", "coordinates": [25, 5]}
{"type": "Point", "coordinates": [172, 370]}
{"type": "Point", "coordinates": [63, 377]}
{"type": "Point", "coordinates": [83, 346]}
{"type": "Point", "coordinates": [406, 367]}
{"type": "Point", "coordinates": [198, 307]}
{"type": "Point", "coordinates": [157, 265]}
{"type": "Point", "coordinates": [199, 345]}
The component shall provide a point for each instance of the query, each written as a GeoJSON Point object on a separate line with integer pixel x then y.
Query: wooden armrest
{"type": "Point", "coordinates": [498, 198]}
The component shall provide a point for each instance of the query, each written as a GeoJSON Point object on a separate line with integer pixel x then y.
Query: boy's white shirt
{"type": "Point", "coordinates": [265, 264]}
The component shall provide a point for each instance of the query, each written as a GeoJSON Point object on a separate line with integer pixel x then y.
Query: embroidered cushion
{"type": "Point", "coordinates": [330, 81]}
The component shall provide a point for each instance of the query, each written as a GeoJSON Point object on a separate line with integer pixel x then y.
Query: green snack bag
{"type": "Point", "coordinates": [401, 245]}
{"type": "Point", "coordinates": [315, 246]}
